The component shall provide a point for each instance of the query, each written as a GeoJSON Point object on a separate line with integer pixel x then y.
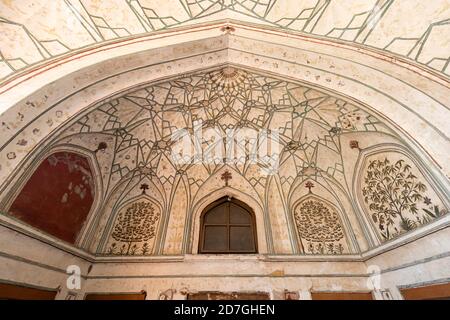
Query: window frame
{"type": "Point", "coordinates": [204, 225]}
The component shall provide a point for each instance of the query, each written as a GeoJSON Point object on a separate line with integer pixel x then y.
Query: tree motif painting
{"type": "Point", "coordinates": [397, 198]}
{"type": "Point", "coordinates": [135, 230]}
{"type": "Point", "coordinates": [319, 228]}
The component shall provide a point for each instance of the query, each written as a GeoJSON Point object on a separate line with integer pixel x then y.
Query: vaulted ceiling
{"type": "Point", "coordinates": [354, 88]}
{"type": "Point", "coordinates": [38, 30]}
{"type": "Point", "coordinates": [331, 151]}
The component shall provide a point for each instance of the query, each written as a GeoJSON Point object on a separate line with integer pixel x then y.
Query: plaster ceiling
{"type": "Point", "coordinates": [344, 82]}
{"type": "Point", "coordinates": [34, 31]}
{"type": "Point", "coordinates": [327, 145]}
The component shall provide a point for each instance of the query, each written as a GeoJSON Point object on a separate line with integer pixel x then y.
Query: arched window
{"type": "Point", "coordinates": [228, 227]}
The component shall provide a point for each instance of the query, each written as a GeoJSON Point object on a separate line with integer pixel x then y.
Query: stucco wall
{"type": "Point", "coordinates": [424, 261]}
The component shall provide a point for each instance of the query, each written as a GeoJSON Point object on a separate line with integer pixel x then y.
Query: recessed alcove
{"type": "Point", "coordinates": [348, 200]}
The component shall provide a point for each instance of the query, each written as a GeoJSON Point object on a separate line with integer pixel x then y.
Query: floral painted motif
{"type": "Point", "coordinates": [397, 198]}
{"type": "Point", "coordinates": [134, 229]}
{"type": "Point", "coordinates": [319, 228]}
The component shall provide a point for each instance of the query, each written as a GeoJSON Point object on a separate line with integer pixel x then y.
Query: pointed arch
{"type": "Point", "coordinates": [127, 190]}
{"type": "Point", "coordinates": [135, 229]}
{"type": "Point", "coordinates": [58, 194]}
{"type": "Point", "coordinates": [228, 227]}
{"type": "Point", "coordinates": [319, 227]}
{"type": "Point", "coordinates": [402, 171]}
{"type": "Point", "coordinates": [199, 207]}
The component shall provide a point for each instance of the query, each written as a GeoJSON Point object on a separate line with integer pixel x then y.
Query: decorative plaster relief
{"type": "Point", "coordinates": [137, 129]}
{"type": "Point", "coordinates": [141, 124]}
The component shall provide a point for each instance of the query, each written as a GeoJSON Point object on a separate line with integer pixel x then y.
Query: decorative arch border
{"type": "Point", "coordinates": [358, 175]}
{"type": "Point", "coordinates": [113, 217]}
{"type": "Point", "coordinates": [19, 180]}
{"type": "Point", "coordinates": [351, 246]}
{"type": "Point", "coordinates": [195, 214]}
{"type": "Point", "coordinates": [275, 182]}
{"type": "Point", "coordinates": [35, 69]}
{"type": "Point", "coordinates": [179, 182]}
{"type": "Point", "coordinates": [257, 70]}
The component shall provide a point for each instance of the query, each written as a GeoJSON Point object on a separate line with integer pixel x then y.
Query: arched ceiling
{"type": "Point", "coordinates": [139, 127]}
{"type": "Point", "coordinates": [327, 144]}
{"type": "Point", "coordinates": [34, 31]}
{"type": "Point", "coordinates": [40, 101]}
{"type": "Point", "coordinates": [128, 73]}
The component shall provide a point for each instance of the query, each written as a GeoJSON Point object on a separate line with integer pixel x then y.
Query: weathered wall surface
{"type": "Point", "coordinates": [27, 261]}
{"type": "Point", "coordinates": [424, 261]}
